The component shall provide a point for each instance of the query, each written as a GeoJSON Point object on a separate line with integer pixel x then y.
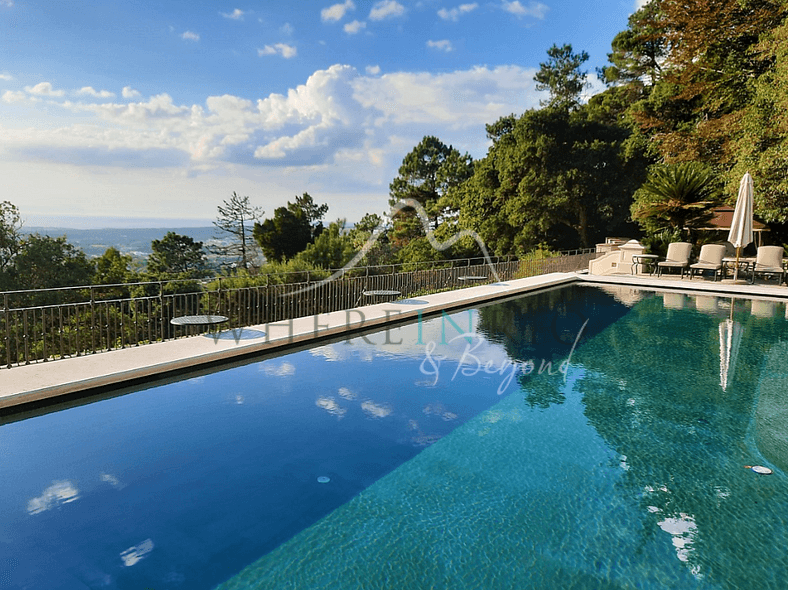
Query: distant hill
{"type": "Point", "coordinates": [133, 241]}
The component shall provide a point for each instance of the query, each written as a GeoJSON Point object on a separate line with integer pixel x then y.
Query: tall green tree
{"type": "Point", "coordinates": [112, 268]}
{"type": "Point", "coordinates": [427, 174]}
{"type": "Point", "coordinates": [762, 148]}
{"type": "Point", "coordinates": [291, 229]}
{"type": "Point", "coordinates": [561, 176]}
{"type": "Point", "coordinates": [562, 77]}
{"type": "Point", "coordinates": [10, 241]}
{"type": "Point", "coordinates": [332, 249]}
{"type": "Point", "coordinates": [709, 59]}
{"type": "Point", "coordinates": [234, 215]}
{"type": "Point", "coordinates": [176, 254]}
{"type": "Point", "coordinates": [44, 262]}
{"type": "Point", "coordinates": [639, 52]}
{"type": "Point", "coordinates": [312, 212]}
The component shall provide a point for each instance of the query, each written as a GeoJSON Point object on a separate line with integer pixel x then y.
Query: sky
{"type": "Point", "coordinates": [123, 114]}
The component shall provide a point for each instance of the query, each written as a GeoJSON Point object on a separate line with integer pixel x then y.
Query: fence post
{"type": "Point", "coordinates": [161, 310]}
{"type": "Point", "coordinates": [7, 314]}
{"type": "Point", "coordinates": [92, 322]}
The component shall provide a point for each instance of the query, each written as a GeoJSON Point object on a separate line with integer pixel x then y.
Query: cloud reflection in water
{"type": "Point", "coordinates": [59, 493]}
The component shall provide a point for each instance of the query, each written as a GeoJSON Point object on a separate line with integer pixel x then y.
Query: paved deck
{"type": "Point", "coordinates": [130, 366]}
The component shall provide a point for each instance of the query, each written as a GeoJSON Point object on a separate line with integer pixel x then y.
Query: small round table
{"type": "Point", "coordinates": [382, 293]}
{"type": "Point", "coordinates": [643, 260]}
{"type": "Point", "coordinates": [472, 278]}
{"type": "Point", "coordinates": [199, 320]}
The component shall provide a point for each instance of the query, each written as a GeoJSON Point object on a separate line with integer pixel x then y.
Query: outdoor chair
{"type": "Point", "coordinates": [769, 261]}
{"type": "Point", "coordinates": [677, 257]}
{"type": "Point", "coordinates": [710, 258]}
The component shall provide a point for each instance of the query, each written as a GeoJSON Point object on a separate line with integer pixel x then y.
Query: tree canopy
{"type": "Point", "coordinates": [10, 239]}
{"type": "Point", "coordinates": [44, 262]}
{"type": "Point", "coordinates": [713, 79]}
{"type": "Point", "coordinates": [562, 77]}
{"type": "Point", "coordinates": [428, 175]}
{"type": "Point", "coordinates": [176, 254]}
{"type": "Point", "coordinates": [291, 229]}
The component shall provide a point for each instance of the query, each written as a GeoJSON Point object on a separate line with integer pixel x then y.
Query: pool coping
{"type": "Point", "coordinates": [45, 382]}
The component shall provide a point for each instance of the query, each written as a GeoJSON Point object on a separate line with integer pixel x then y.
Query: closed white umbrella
{"type": "Point", "coordinates": [741, 225]}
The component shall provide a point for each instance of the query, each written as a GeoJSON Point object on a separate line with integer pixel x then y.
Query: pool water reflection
{"type": "Point", "coordinates": [350, 465]}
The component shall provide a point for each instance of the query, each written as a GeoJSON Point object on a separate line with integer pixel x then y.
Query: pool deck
{"type": "Point", "coordinates": [41, 381]}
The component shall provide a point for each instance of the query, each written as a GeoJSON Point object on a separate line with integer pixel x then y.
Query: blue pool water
{"type": "Point", "coordinates": [421, 459]}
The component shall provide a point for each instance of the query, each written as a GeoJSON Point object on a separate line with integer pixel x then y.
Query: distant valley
{"type": "Point", "coordinates": [133, 241]}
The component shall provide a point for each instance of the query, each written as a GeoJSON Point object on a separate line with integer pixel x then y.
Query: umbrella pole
{"type": "Point", "coordinates": [736, 268]}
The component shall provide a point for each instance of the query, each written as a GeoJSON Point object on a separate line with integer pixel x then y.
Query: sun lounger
{"type": "Point", "coordinates": [769, 261]}
{"type": "Point", "coordinates": [710, 258]}
{"type": "Point", "coordinates": [677, 257]}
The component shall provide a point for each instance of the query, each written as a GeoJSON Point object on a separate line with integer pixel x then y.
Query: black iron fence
{"type": "Point", "coordinates": [49, 324]}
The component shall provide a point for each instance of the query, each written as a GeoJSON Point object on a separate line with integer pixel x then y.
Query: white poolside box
{"type": "Point", "coordinates": [616, 258]}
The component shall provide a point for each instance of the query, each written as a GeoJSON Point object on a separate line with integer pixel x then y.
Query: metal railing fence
{"type": "Point", "coordinates": [48, 324]}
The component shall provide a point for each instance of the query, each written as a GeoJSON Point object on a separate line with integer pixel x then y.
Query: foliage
{"type": "Point", "coordinates": [234, 213]}
{"type": "Point", "coordinates": [428, 175]}
{"type": "Point", "coordinates": [291, 229]}
{"type": "Point", "coordinates": [332, 249]}
{"type": "Point", "coordinates": [113, 268]}
{"type": "Point", "coordinates": [176, 254]}
{"type": "Point", "coordinates": [381, 251]}
{"type": "Point", "coordinates": [44, 262]}
{"type": "Point", "coordinates": [713, 79]}
{"type": "Point", "coordinates": [676, 197]}
{"type": "Point", "coordinates": [762, 148]}
{"type": "Point", "coordinates": [558, 177]}
{"type": "Point", "coordinates": [562, 77]}
{"type": "Point", "coordinates": [639, 51]}
{"type": "Point", "coordinates": [10, 241]}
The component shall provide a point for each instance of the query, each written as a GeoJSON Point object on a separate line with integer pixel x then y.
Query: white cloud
{"type": "Point", "coordinates": [4, 76]}
{"type": "Point", "coordinates": [7, 3]}
{"type": "Point", "coordinates": [373, 70]}
{"type": "Point", "coordinates": [236, 14]}
{"type": "Point", "coordinates": [90, 91]}
{"type": "Point", "coordinates": [287, 29]}
{"type": "Point", "coordinates": [190, 36]}
{"type": "Point", "coordinates": [44, 89]}
{"type": "Point", "coordinates": [442, 45]}
{"type": "Point", "coordinates": [336, 12]}
{"type": "Point", "coordinates": [129, 92]}
{"type": "Point", "coordinates": [341, 134]}
{"type": "Point", "coordinates": [455, 13]}
{"type": "Point", "coordinates": [342, 129]}
{"type": "Point", "coordinates": [354, 27]}
{"type": "Point", "coordinates": [10, 96]}
{"type": "Point", "coordinates": [534, 9]}
{"type": "Point", "coordinates": [386, 9]}
{"type": "Point", "coordinates": [640, 4]}
{"type": "Point", "coordinates": [286, 51]}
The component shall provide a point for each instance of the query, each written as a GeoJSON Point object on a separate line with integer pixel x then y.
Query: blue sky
{"type": "Point", "coordinates": [160, 110]}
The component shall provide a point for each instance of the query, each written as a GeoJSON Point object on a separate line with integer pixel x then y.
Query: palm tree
{"type": "Point", "coordinates": [676, 198]}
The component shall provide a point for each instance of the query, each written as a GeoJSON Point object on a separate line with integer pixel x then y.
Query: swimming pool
{"type": "Point", "coordinates": [419, 458]}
